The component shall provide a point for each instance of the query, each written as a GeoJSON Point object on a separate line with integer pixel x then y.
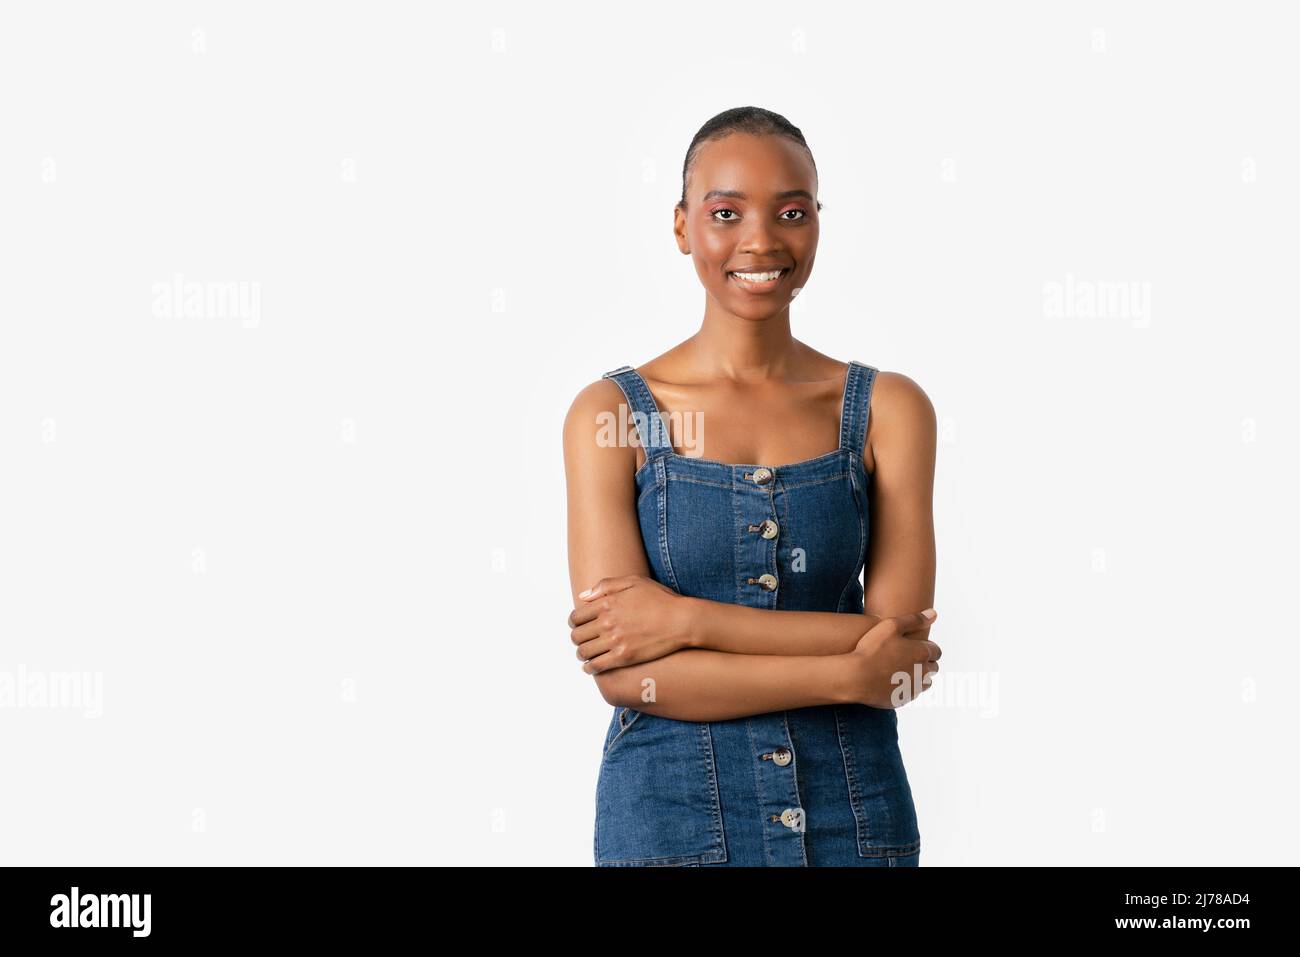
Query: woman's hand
{"type": "Point", "coordinates": [892, 664]}
{"type": "Point", "coordinates": [627, 620]}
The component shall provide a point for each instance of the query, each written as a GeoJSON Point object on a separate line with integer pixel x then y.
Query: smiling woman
{"type": "Point", "coordinates": [718, 595]}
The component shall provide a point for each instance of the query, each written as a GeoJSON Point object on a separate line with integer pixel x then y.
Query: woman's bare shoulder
{"type": "Point", "coordinates": [595, 433]}
{"type": "Point", "coordinates": [601, 395]}
{"type": "Point", "coordinates": [902, 417]}
{"type": "Point", "coordinates": [902, 392]}
{"type": "Point", "coordinates": [591, 407]}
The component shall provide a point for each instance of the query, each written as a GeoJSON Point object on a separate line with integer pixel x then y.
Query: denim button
{"type": "Point", "coordinates": [792, 816]}
{"type": "Point", "coordinates": [768, 582]}
{"type": "Point", "coordinates": [762, 476]}
{"type": "Point", "coordinates": [770, 529]}
{"type": "Point", "coordinates": [781, 756]}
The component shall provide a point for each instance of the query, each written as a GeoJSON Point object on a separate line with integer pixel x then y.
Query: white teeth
{"type": "Point", "coordinates": [758, 276]}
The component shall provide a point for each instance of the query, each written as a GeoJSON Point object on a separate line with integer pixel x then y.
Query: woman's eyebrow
{"type": "Point", "coordinates": [737, 194]}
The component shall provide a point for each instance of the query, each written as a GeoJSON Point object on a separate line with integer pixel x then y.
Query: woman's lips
{"type": "Point", "coordinates": [758, 287]}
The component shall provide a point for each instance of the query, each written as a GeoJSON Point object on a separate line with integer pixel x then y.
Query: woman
{"type": "Point", "coordinates": [716, 585]}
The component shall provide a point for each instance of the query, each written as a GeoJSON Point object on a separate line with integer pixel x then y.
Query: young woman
{"type": "Point", "coordinates": [717, 584]}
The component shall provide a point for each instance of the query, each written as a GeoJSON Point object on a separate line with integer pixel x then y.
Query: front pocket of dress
{"type": "Point", "coordinates": [877, 782]}
{"type": "Point", "coordinates": [622, 720]}
{"type": "Point", "coordinates": [657, 801]}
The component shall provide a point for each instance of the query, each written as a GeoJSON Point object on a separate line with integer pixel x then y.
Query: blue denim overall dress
{"type": "Point", "coordinates": [818, 786]}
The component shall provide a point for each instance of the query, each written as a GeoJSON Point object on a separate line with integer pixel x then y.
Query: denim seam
{"type": "Point", "coordinates": [865, 847]}
{"type": "Point", "coordinates": [784, 483]}
{"type": "Point", "coordinates": [623, 728]}
{"type": "Point", "coordinates": [711, 772]}
{"type": "Point", "coordinates": [628, 393]}
{"type": "Point", "coordinates": [695, 481]}
{"type": "Point", "coordinates": [794, 783]}
{"type": "Point", "coordinates": [802, 463]}
{"type": "Point", "coordinates": [869, 379]}
{"type": "Point", "coordinates": [771, 598]}
{"type": "Point", "coordinates": [850, 779]}
{"type": "Point", "coordinates": [662, 483]}
{"type": "Point", "coordinates": [737, 546]}
{"type": "Point", "coordinates": [781, 513]}
{"type": "Point", "coordinates": [758, 786]}
{"type": "Point", "coordinates": [859, 505]}
{"type": "Point", "coordinates": [660, 444]}
{"type": "Point", "coordinates": [849, 411]}
{"type": "Point", "coordinates": [837, 477]}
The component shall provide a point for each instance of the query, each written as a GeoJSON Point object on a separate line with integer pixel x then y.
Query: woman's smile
{"type": "Point", "coordinates": [756, 281]}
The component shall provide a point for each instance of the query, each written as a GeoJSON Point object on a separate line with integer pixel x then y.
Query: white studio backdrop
{"type": "Point", "coordinates": [294, 298]}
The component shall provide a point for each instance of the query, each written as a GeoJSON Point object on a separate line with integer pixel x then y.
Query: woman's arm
{"type": "Point", "coordinates": [652, 620]}
{"type": "Point", "coordinates": [740, 629]}
{"type": "Point", "coordinates": [695, 685]}
{"type": "Point", "coordinates": [889, 666]}
{"type": "Point", "coordinates": [901, 434]}
{"type": "Point", "coordinates": [605, 541]}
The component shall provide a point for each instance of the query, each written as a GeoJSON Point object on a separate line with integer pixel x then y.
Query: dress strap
{"type": "Point", "coordinates": [651, 430]}
{"type": "Point", "coordinates": [857, 406]}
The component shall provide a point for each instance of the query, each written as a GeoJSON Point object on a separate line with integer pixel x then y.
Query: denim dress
{"type": "Point", "coordinates": [817, 786]}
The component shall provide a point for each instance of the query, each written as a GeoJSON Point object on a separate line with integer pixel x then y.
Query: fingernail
{"type": "Point", "coordinates": [584, 594]}
{"type": "Point", "coordinates": [930, 613]}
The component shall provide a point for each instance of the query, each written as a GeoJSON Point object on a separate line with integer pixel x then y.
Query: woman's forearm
{"type": "Point", "coordinates": [742, 630]}
{"type": "Point", "coordinates": [700, 685]}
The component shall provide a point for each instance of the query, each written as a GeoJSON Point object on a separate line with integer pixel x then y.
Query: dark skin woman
{"type": "Point", "coordinates": [751, 208]}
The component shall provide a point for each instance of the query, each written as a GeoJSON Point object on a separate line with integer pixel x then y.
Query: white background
{"type": "Point", "coordinates": [315, 557]}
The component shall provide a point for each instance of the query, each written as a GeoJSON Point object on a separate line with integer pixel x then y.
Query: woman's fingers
{"type": "Point", "coordinates": [592, 649]}
{"type": "Point", "coordinates": [585, 632]}
{"type": "Point", "coordinates": [601, 662]}
{"type": "Point", "coordinates": [583, 614]}
{"type": "Point", "coordinates": [916, 621]}
{"type": "Point", "coordinates": [928, 650]}
{"type": "Point", "coordinates": [899, 625]}
{"type": "Point", "coordinates": [607, 585]}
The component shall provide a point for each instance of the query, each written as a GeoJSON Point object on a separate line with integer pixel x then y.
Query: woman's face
{"type": "Point", "coordinates": [751, 207]}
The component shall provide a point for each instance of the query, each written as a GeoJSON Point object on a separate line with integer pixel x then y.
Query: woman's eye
{"type": "Point", "coordinates": [731, 215]}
